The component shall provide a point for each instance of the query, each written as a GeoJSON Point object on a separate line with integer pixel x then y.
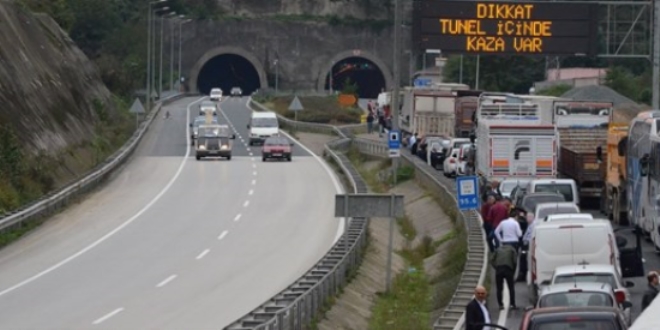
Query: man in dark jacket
{"type": "Point", "coordinates": [652, 290]}
{"type": "Point", "coordinates": [476, 312]}
{"type": "Point", "coordinates": [504, 261]}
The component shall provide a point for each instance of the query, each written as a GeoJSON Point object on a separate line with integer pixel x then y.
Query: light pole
{"type": "Point", "coordinates": [149, 15]}
{"type": "Point", "coordinates": [160, 75]}
{"type": "Point", "coordinates": [277, 76]}
{"type": "Point", "coordinates": [152, 57]}
{"type": "Point", "coordinates": [181, 24]}
{"type": "Point", "coordinates": [172, 54]}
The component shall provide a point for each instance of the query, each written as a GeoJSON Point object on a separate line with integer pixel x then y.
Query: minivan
{"type": "Point", "coordinates": [566, 187]}
{"type": "Point", "coordinates": [262, 126]}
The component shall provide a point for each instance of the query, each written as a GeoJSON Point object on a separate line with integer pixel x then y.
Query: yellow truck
{"type": "Point", "coordinates": [613, 199]}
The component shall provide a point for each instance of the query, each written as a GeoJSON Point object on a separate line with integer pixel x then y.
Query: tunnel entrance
{"type": "Point", "coordinates": [227, 71]}
{"type": "Point", "coordinates": [358, 71]}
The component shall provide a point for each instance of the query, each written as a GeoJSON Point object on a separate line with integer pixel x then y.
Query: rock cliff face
{"type": "Point", "coordinates": [55, 113]}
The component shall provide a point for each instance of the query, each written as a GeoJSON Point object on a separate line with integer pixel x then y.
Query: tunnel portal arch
{"type": "Point", "coordinates": [380, 64]}
{"type": "Point", "coordinates": [226, 50]}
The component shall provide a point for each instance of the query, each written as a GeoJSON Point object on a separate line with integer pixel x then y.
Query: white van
{"type": "Point", "coordinates": [262, 125]}
{"type": "Point", "coordinates": [566, 187]}
{"type": "Point", "coordinates": [559, 243]}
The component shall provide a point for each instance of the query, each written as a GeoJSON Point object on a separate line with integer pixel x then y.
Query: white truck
{"type": "Point", "coordinates": [512, 141]}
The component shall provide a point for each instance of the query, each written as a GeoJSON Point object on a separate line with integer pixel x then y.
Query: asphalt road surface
{"type": "Point", "coordinates": [652, 262]}
{"type": "Point", "coordinates": [173, 243]}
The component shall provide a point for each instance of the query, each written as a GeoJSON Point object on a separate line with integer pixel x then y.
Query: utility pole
{"type": "Point", "coordinates": [656, 55]}
{"type": "Point", "coordinates": [160, 75]}
{"type": "Point", "coordinates": [171, 54]}
{"type": "Point", "coordinates": [148, 89]}
{"type": "Point", "coordinates": [394, 104]}
{"type": "Point", "coordinates": [180, 25]}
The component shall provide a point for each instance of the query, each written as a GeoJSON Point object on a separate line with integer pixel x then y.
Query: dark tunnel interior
{"type": "Point", "coordinates": [226, 71]}
{"type": "Point", "coordinates": [365, 74]}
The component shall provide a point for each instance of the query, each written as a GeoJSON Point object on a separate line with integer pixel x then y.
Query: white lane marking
{"type": "Point", "coordinates": [250, 154]}
{"type": "Point", "coordinates": [331, 173]}
{"type": "Point", "coordinates": [238, 217]}
{"type": "Point", "coordinates": [251, 192]}
{"type": "Point", "coordinates": [248, 149]}
{"type": "Point", "coordinates": [165, 281]}
{"type": "Point", "coordinates": [254, 182]}
{"type": "Point", "coordinates": [123, 225]}
{"type": "Point", "coordinates": [107, 316]}
{"type": "Point", "coordinates": [254, 165]}
{"type": "Point", "coordinates": [253, 159]}
{"type": "Point", "coordinates": [254, 173]}
{"type": "Point", "coordinates": [201, 255]}
{"type": "Point", "coordinates": [246, 203]}
{"type": "Point", "coordinates": [222, 235]}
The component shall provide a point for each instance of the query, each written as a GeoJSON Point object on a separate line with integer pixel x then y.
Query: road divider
{"type": "Point", "coordinates": [301, 303]}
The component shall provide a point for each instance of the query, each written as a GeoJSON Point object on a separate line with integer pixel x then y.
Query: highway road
{"type": "Point", "coordinates": [652, 262]}
{"type": "Point", "coordinates": [171, 242]}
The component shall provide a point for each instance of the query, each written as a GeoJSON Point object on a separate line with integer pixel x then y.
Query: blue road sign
{"type": "Point", "coordinates": [468, 193]}
{"type": "Point", "coordinates": [422, 82]}
{"type": "Point", "coordinates": [394, 139]}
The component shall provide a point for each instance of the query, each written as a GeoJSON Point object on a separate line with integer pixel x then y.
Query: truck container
{"type": "Point", "coordinates": [614, 196]}
{"type": "Point", "coordinates": [465, 107]}
{"type": "Point", "coordinates": [577, 158]}
{"type": "Point", "coordinates": [516, 149]}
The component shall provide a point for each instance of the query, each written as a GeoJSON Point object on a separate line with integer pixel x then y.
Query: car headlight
{"type": "Point", "coordinates": [202, 147]}
{"type": "Point", "coordinates": [224, 147]}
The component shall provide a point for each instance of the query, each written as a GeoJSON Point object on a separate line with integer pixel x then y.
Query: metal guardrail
{"type": "Point", "coordinates": [474, 272]}
{"type": "Point", "coordinates": [56, 199]}
{"type": "Point", "coordinates": [302, 302]}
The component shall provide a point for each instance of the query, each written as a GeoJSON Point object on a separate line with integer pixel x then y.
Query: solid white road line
{"type": "Point", "coordinates": [123, 225]}
{"type": "Point", "coordinates": [107, 316]}
{"type": "Point", "coordinates": [250, 153]}
{"type": "Point", "coordinates": [222, 235]}
{"type": "Point", "coordinates": [331, 173]}
{"type": "Point", "coordinates": [201, 255]}
{"type": "Point", "coordinates": [165, 281]}
{"type": "Point", "coordinates": [251, 192]}
{"type": "Point", "coordinates": [253, 159]}
{"type": "Point", "coordinates": [246, 203]}
{"type": "Point", "coordinates": [238, 217]}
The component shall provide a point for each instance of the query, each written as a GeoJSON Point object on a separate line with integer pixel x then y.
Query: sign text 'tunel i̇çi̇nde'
{"type": "Point", "coordinates": [506, 27]}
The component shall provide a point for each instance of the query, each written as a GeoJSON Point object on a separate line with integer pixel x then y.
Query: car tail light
{"type": "Point", "coordinates": [620, 296]}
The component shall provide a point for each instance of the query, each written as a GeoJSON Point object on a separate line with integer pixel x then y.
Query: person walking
{"type": "Point", "coordinates": [370, 122]}
{"type": "Point", "coordinates": [497, 213]}
{"type": "Point", "coordinates": [651, 292]}
{"type": "Point", "coordinates": [476, 312]}
{"type": "Point", "coordinates": [487, 222]}
{"type": "Point", "coordinates": [508, 232]}
{"type": "Point", "coordinates": [524, 248]}
{"type": "Point", "coordinates": [504, 261]}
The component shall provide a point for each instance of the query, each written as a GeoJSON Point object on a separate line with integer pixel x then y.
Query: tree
{"type": "Point", "coordinates": [497, 73]}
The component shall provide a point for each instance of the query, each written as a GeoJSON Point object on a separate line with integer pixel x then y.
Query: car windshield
{"type": "Point", "coordinates": [546, 211]}
{"type": "Point", "coordinates": [530, 202]}
{"type": "Point", "coordinates": [564, 189]}
{"type": "Point", "coordinates": [276, 142]}
{"type": "Point", "coordinates": [214, 140]}
{"type": "Point", "coordinates": [574, 323]}
{"type": "Point", "coordinates": [586, 278]}
{"type": "Point", "coordinates": [264, 122]}
{"type": "Point", "coordinates": [507, 186]}
{"type": "Point", "coordinates": [576, 299]}
{"type": "Point", "coordinates": [207, 105]}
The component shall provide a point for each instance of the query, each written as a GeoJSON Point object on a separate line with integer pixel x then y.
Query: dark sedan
{"type": "Point", "coordinates": [276, 147]}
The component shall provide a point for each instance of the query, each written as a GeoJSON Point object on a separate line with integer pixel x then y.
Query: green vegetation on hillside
{"type": "Point", "coordinates": [317, 109]}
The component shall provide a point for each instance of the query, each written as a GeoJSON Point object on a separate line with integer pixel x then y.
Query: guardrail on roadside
{"type": "Point", "coordinates": [474, 272]}
{"type": "Point", "coordinates": [475, 268]}
{"type": "Point", "coordinates": [56, 199]}
{"type": "Point", "coordinates": [297, 306]}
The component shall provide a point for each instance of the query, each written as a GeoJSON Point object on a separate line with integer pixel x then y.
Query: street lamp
{"type": "Point", "coordinates": [148, 91]}
{"type": "Point", "coordinates": [180, 24]}
{"type": "Point", "coordinates": [160, 83]}
{"type": "Point", "coordinates": [152, 59]}
{"type": "Point", "coordinates": [277, 75]}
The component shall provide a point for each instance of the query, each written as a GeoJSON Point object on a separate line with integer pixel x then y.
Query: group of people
{"type": "Point", "coordinates": [508, 232]}
{"type": "Point", "coordinates": [378, 115]}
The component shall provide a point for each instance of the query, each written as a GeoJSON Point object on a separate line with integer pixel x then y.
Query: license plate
{"type": "Point", "coordinates": [277, 155]}
{"type": "Point", "coordinates": [213, 152]}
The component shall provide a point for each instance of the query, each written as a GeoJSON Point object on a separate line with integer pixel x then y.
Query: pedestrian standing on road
{"type": "Point", "coordinates": [504, 261]}
{"type": "Point", "coordinates": [527, 237]}
{"type": "Point", "coordinates": [476, 312]}
{"type": "Point", "coordinates": [381, 122]}
{"type": "Point", "coordinates": [652, 291]}
{"type": "Point", "coordinates": [498, 212]}
{"type": "Point", "coordinates": [488, 223]}
{"type": "Point", "coordinates": [370, 122]}
{"type": "Point", "coordinates": [508, 232]}
{"type": "Point", "coordinates": [413, 144]}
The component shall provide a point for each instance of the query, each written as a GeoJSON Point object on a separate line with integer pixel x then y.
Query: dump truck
{"type": "Point", "coordinates": [614, 196]}
{"type": "Point", "coordinates": [582, 127]}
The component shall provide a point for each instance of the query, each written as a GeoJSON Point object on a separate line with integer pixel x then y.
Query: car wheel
{"type": "Point", "coordinates": [198, 158]}
{"type": "Point", "coordinates": [263, 159]}
{"type": "Point", "coordinates": [250, 143]}
{"type": "Point", "coordinates": [228, 157]}
{"type": "Point", "coordinates": [288, 159]}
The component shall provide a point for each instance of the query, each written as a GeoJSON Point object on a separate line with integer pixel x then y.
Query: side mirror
{"type": "Point", "coordinates": [644, 165]}
{"type": "Point", "coordinates": [233, 136]}
{"type": "Point", "coordinates": [248, 126]}
{"type": "Point", "coordinates": [599, 154]}
{"type": "Point", "coordinates": [546, 282]}
{"type": "Point", "coordinates": [626, 304]}
{"type": "Point", "coordinates": [629, 284]}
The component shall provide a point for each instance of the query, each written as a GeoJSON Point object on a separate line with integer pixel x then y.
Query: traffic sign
{"type": "Point", "coordinates": [468, 192]}
{"type": "Point", "coordinates": [295, 105]}
{"type": "Point", "coordinates": [422, 82]}
{"type": "Point", "coordinates": [394, 140]}
{"type": "Point", "coordinates": [394, 153]}
{"type": "Point", "coordinates": [136, 107]}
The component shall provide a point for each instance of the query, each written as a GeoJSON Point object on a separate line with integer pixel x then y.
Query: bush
{"type": "Point", "coordinates": [317, 109]}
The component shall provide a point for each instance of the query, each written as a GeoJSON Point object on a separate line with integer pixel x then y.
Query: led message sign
{"type": "Point", "coordinates": [484, 27]}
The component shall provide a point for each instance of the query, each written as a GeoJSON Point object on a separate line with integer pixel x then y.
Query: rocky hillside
{"type": "Point", "coordinates": [360, 9]}
{"type": "Point", "coordinates": [57, 119]}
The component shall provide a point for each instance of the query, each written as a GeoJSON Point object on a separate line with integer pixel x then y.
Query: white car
{"type": "Point", "coordinates": [208, 106]}
{"type": "Point", "coordinates": [542, 211]}
{"type": "Point", "coordinates": [463, 154]}
{"type": "Point", "coordinates": [596, 273]}
{"type": "Point", "coordinates": [451, 163]}
{"type": "Point", "coordinates": [236, 91]}
{"type": "Point", "coordinates": [216, 94]}
{"type": "Point", "coordinates": [507, 186]}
